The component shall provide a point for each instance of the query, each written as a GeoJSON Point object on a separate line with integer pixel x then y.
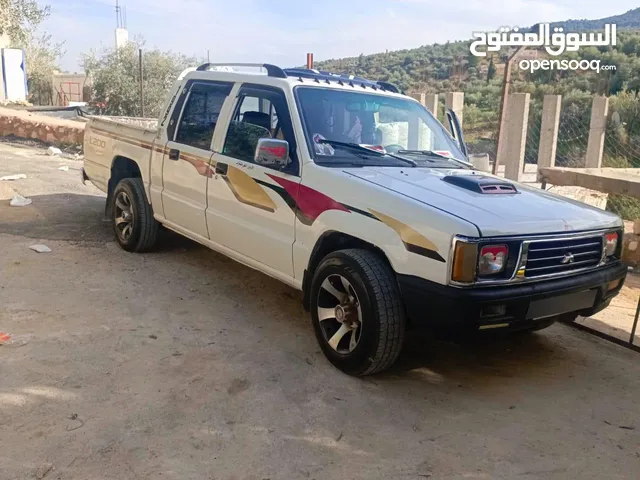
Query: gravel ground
{"type": "Point", "coordinates": [182, 364]}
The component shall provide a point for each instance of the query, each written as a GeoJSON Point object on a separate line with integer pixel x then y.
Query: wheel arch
{"type": "Point", "coordinates": [121, 167]}
{"type": "Point", "coordinates": [332, 241]}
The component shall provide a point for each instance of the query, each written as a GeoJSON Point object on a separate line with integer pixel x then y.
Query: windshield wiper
{"type": "Point", "coordinates": [428, 153]}
{"type": "Point", "coordinates": [431, 153]}
{"type": "Point", "coordinates": [360, 148]}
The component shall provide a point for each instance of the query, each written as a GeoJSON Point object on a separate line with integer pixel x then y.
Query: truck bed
{"type": "Point", "coordinates": [109, 137]}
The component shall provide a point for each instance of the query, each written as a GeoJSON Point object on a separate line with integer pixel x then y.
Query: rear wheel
{"type": "Point", "coordinates": [357, 312]}
{"type": "Point", "coordinates": [133, 224]}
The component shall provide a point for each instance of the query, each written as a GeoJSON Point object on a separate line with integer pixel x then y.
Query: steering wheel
{"type": "Point", "coordinates": [394, 148]}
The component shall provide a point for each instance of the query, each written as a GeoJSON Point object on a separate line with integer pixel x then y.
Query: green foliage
{"type": "Point", "coordinates": [42, 55]}
{"type": "Point", "coordinates": [115, 76]}
{"type": "Point", "coordinates": [19, 20]}
{"type": "Point", "coordinates": [491, 71]}
{"type": "Point", "coordinates": [19, 17]}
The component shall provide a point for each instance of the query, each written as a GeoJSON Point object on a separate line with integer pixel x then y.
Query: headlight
{"type": "Point", "coordinates": [610, 243]}
{"type": "Point", "coordinates": [493, 259]}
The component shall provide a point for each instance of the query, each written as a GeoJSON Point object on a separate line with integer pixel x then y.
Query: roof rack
{"type": "Point", "coordinates": [322, 75]}
{"type": "Point", "coordinates": [272, 70]}
{"type": "Point", "coordinates": [317, 75]}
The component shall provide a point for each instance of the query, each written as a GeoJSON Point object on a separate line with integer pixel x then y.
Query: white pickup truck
{"type": "Point", "coordinates": [355, 194]}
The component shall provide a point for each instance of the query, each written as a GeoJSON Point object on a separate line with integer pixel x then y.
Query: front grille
{"type": "Point", "coordinates": [559, 256]}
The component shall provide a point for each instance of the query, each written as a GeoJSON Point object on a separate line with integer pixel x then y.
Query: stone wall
{"type": "Point", "coordinates": [54, 131]}
{"type": "Point", "coordinates": [631, 242]}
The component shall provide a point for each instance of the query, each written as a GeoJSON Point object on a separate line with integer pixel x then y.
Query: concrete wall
{"type": "Point", "coordinates": [54, 131]}
{"type": "Point", "coordinates": [68, 87]}
{"type": "Point", "coordinates": [4, 43]}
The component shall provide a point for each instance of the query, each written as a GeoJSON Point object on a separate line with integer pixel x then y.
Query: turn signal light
{"type": "Point", "coordinates": [493, 259]}
{"type": "Point", "coordinates": [464, 262]}
{"type": "Point", "coordinates": [610, 243]}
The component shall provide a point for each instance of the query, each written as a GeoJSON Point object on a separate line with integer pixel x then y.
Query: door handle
{"type": "Point", "coordinates": [174, 154]}
{"type": "Point", "coordinates": [222, 168]}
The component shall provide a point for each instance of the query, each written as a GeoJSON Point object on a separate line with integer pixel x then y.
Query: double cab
{"type": "Point", "coordinates": [354, 194]}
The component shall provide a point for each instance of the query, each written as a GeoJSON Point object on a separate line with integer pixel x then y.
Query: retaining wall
{"type": "Point", "coordinates": [55, 131]}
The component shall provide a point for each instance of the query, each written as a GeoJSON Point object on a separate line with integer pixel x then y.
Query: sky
{"type": "Point", "coordinates": [283, 31]}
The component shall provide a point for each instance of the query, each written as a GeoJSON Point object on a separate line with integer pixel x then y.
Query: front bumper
{"type": "Point", "coordinates": [511, 306]}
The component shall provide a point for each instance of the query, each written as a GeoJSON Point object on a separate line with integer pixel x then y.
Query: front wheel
{"type": "Point", "coordinates": [357, 312]}
{"type": "Point", "coordinates": [133, 223]}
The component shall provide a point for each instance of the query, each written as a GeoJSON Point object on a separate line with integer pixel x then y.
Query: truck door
{"type": "Point", "coordinates": [250, 210]}
{"type": "Point", "coordinates": [187, 154]}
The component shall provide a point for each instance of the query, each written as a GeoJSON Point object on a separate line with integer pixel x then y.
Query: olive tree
{"type": "Point", "coordinates": [19, 17]}
{"type": "Point", "coordinates": [19, 21]}
{"type": "Point", "coordinates": [115, 78]}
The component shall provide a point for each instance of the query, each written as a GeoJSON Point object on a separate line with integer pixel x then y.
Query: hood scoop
{"type": "Point", "coordinates": [481, 184]}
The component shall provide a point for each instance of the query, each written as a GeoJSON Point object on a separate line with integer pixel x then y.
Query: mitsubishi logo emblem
{"type": "Point", "coordinates": [568, 258]}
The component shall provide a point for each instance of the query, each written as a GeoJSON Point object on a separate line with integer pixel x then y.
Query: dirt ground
{"type": "Point", "coordinates": [182, 364]}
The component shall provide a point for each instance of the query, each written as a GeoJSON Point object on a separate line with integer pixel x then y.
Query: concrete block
{"type": "Point", "coordinates": [511, 155]}
{"type": "Point", "coordinates": [549, 130]}
{"type": "Point", "coordinates": [597, 128]}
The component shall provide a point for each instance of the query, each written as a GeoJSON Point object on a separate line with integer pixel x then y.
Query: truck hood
{"type": "Point", "coordinates": [531, 211]}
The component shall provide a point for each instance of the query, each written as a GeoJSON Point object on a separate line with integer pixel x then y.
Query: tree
{"type": "Point", "coordinates": [19, 20]}
{"type": "Point", "coordinates": [19, 17]}
{"type": "Point", "coordinates": [42, 55]}
{"type": "Point", "coordinates": [115, 78]}
{"type": "Point", "coordinates": [491, 71]}
{"type": "Point", "coordinates": [629, 47]}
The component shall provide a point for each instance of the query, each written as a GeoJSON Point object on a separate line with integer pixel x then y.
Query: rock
{"type": "Point", "coordinates": [53, 151]}
{"type": "Point", "coordinates": [18, 176]}
{"type": "Point", "coordinates": [40, 248]}
{"type": "Point", "coordinates": [20, 201]}
{"type": "Point", "coordinates": [630, 251]}
{"type": "Point", "coordinates": [43, 470]}
{"type": "Point", "coordinates": [636, 227]}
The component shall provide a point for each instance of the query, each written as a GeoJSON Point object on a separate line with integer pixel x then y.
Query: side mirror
{"type": "Point", "coordinates": [272, 153]}
{"type": "Point", "coordinates": [456, 131]}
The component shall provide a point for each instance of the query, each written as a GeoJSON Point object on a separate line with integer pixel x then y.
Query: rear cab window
{"type": "Point", "coordinates": [200, 113]}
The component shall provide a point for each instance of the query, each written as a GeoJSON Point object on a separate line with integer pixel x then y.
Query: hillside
{"type": "Point", "coordinates": [450, 65]}
{"type": "Point", "coordinates": [628, 20]}
{"type": "Point", "coordinates": [447, 67]}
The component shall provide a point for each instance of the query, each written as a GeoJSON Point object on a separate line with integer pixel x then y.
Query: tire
{"type": "Point", "coordinates": [134, 226]}
{"type": "Point", "coordinates": [370, 308]}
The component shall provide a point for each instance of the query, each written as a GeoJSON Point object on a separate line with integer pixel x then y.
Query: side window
{"type": "Point", "coordinates": [200, 114]}
{"type": "Point", "coordinates": [259, 114]}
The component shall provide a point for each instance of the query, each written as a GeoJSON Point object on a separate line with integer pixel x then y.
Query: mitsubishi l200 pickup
{"type": "Point", "coordinates": [354, 194]}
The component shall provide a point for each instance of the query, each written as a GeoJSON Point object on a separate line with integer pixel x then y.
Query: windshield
{"type": "Point", "coordinates": [384, 124]}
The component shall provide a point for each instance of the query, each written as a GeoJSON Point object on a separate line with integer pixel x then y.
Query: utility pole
{"type": "Point", "coordinates": [141, 84]}
{"type": "Point", "coordinates": [503, 103]}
